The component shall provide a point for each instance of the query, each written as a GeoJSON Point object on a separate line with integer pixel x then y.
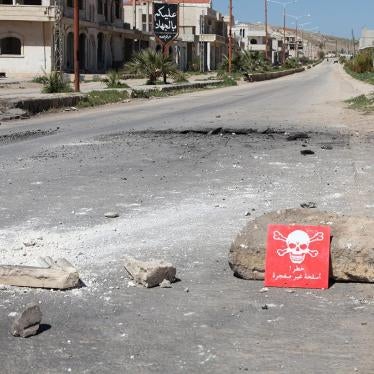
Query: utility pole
{"type": "Point", "coordinates": [230, 36]}
{"type": "Point", "coordinates": [76, 46]}
{"type": "Point", "coordinates": [266, 31]}
{"type": "Point", "coordinates": [284, 5]}
{"type": "Point", "coordinates": [284, 34]}
{"type": "Point", "coordinates": [134, 14]}
{"type": "Point", "coordinates": [354, 43]}
{"type": "Point", "coordinates": [296, 43]}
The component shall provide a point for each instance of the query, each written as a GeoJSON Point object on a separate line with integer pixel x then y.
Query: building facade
{"type": "Point", "coordinates": [251, 36]}
{"type": "Point", "coordinates": [367, 39]}
{"type": "Point", "coordinates": [104, 39]}
{"type": "Point", "coordinates": [202, 40]}
{"type": "Point", "coordinates": [26, 29]}
{"type": "Point", "coordinates": [29, 42]}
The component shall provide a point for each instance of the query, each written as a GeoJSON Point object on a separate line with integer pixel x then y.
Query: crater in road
{"type": "Point", "coordinates": [25, 135]}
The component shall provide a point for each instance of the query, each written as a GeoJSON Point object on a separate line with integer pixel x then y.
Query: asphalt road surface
{"type": "Point", "coordinates": [182, 195]}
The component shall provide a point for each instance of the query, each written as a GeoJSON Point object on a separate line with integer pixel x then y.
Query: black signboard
{"type": "Point", "coordinates": [165, 21]}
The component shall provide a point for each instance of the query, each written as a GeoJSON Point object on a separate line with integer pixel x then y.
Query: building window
{"type": "Point", "coordinates": [99, 7]}
{"type": "Point", "coordinates": [106, 10]}
{"type": "Point", "coordinates": [117, 9]}
{"type": "Point", "coordinates": [32, 2]}
{"type": "Point", "coordinates": [253, 41]}
{"type": "Point", "coordinates": [10, 46]}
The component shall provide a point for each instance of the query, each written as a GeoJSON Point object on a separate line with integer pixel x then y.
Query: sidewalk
{"type": "Point", "coordinates": [16, 89]}
{"type": "Point", "coordinates": [19, 99]}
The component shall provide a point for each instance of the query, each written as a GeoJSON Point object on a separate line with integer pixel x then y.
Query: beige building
{"type": "Point", "coordinates": [34, 33]}
{"type": "Point", "coordinates": [202, 40]}
{"type": "Point", "coordinates": [252, 36]}
{"type": "Point", "coordinates": [26, 36]}
{"type": "Point", "coordinates": [367, 39]}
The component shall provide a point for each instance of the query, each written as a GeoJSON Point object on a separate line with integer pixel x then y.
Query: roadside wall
{"type": "Point", "coordinates": [258, 77]}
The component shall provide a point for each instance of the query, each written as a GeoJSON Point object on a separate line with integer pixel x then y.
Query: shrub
{"type": "Point", "coordinates": [342, 60]}
{"type": "Point", "coordinates": [43, 79]}
{"type": "Point", "coordinates": [321, 54]}
{"type": "Point", "coordinates": [113, 80]}
{"type": "Point", "coordinates": [291, 63]}
{"type": "Point", "coordinates": [362, 102]}
{"type": "Point", "coordinates": [55, 83]}
{"type": "Point", "coordinates": [304, 60]}
{"type": "Point", "coordinates": [246, 62]}
{"type": "Point", "coordinates": [362, 63]}
{"type": "Point", "coordinates": [95, 98]}
{"type": "Point", "coordinates": [180, 77]}
{"type": "Point", "coordinates": [228, 80]}
{"type": "Point", "coordinates": [152, 64]}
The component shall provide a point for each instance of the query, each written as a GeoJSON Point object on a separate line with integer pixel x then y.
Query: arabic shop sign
{"type": "Point", "coordinates": [165, 21]}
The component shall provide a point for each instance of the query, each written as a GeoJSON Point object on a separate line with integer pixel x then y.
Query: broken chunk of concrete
{"type": "Point", "coordinates": [111, 215]}
{"type": "Point", "coordinates": [59, 274]}
{"type": "Point", "coordinates": [165, 284]}
{"type": "Point", "coordinates": [29, 243]}
{"type": "Point", "coordinates": [352, 244]}
{"type": "Point", "coordinates": [27, 323]}
{"type": "Point", "coordinates": [149, 273]}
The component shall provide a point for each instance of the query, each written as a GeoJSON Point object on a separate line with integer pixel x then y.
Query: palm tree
{"type": "Point", "coordinates": [153, 65]}
{"type": "Point", "coordinates": [246, 62]}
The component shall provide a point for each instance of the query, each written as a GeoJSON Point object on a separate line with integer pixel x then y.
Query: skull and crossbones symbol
{"type": "Point", "coordinates": [298, 242]}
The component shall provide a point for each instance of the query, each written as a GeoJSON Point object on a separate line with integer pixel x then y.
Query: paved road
{"type": "Point", "coordinates": [182, 196]}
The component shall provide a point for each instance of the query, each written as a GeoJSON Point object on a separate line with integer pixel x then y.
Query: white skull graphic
{"type": "Point", "coordinates": [298, 242]}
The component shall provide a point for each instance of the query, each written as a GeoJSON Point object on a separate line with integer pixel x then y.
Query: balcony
{"type": "Point", "coordinates": [34, 13]}
{"type": "Point", "coordinates": [212, 38]}
{"type": "Point", "coordinates": [257, 47]}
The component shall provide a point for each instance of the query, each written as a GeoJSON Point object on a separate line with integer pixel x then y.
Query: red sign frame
{"type": "Point", "coordinates": [297, 256]}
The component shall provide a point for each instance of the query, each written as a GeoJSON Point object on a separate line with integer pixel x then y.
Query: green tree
{"type": "Point", "coordinates": [321, 54]}
{"type": "Point", "coordinates": [153, 65]}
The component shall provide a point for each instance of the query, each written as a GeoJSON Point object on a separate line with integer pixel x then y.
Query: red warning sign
{"type": "Point", "coordinates": [297, 256]}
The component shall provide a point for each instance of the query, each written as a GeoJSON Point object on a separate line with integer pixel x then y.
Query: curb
{"type": "Point", "coordinates": [42, 104]}
{"type": "Point", "coordinates": [258, 77]}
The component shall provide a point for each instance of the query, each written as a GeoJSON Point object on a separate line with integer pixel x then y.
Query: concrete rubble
{"type": "Point", "coordinates": [150, 273]}
{"type": "Point", "coordinates": [28, 322]}
{"type": "Point", "coordinates": [111, 215]}
{"type": "Point", "coordinates": [352, 243]}
{"type": "Point", "coordinates": [59, 274]}
{"type": "Point", "coordinates": [165, 284]}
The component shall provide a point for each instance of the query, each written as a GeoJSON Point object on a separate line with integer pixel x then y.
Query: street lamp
{"type": "Point", "coordinates": [284, 5]}
{"type": "Point", "coordinates": [297, 18]}
{"type": "Point", "coordinates": [301, 27]}
{"type": "Point", "coordinates": [230, 37]}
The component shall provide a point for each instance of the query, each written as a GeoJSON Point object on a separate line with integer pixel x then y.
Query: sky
{"type": "Point", "coordinates": [333, 17]}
